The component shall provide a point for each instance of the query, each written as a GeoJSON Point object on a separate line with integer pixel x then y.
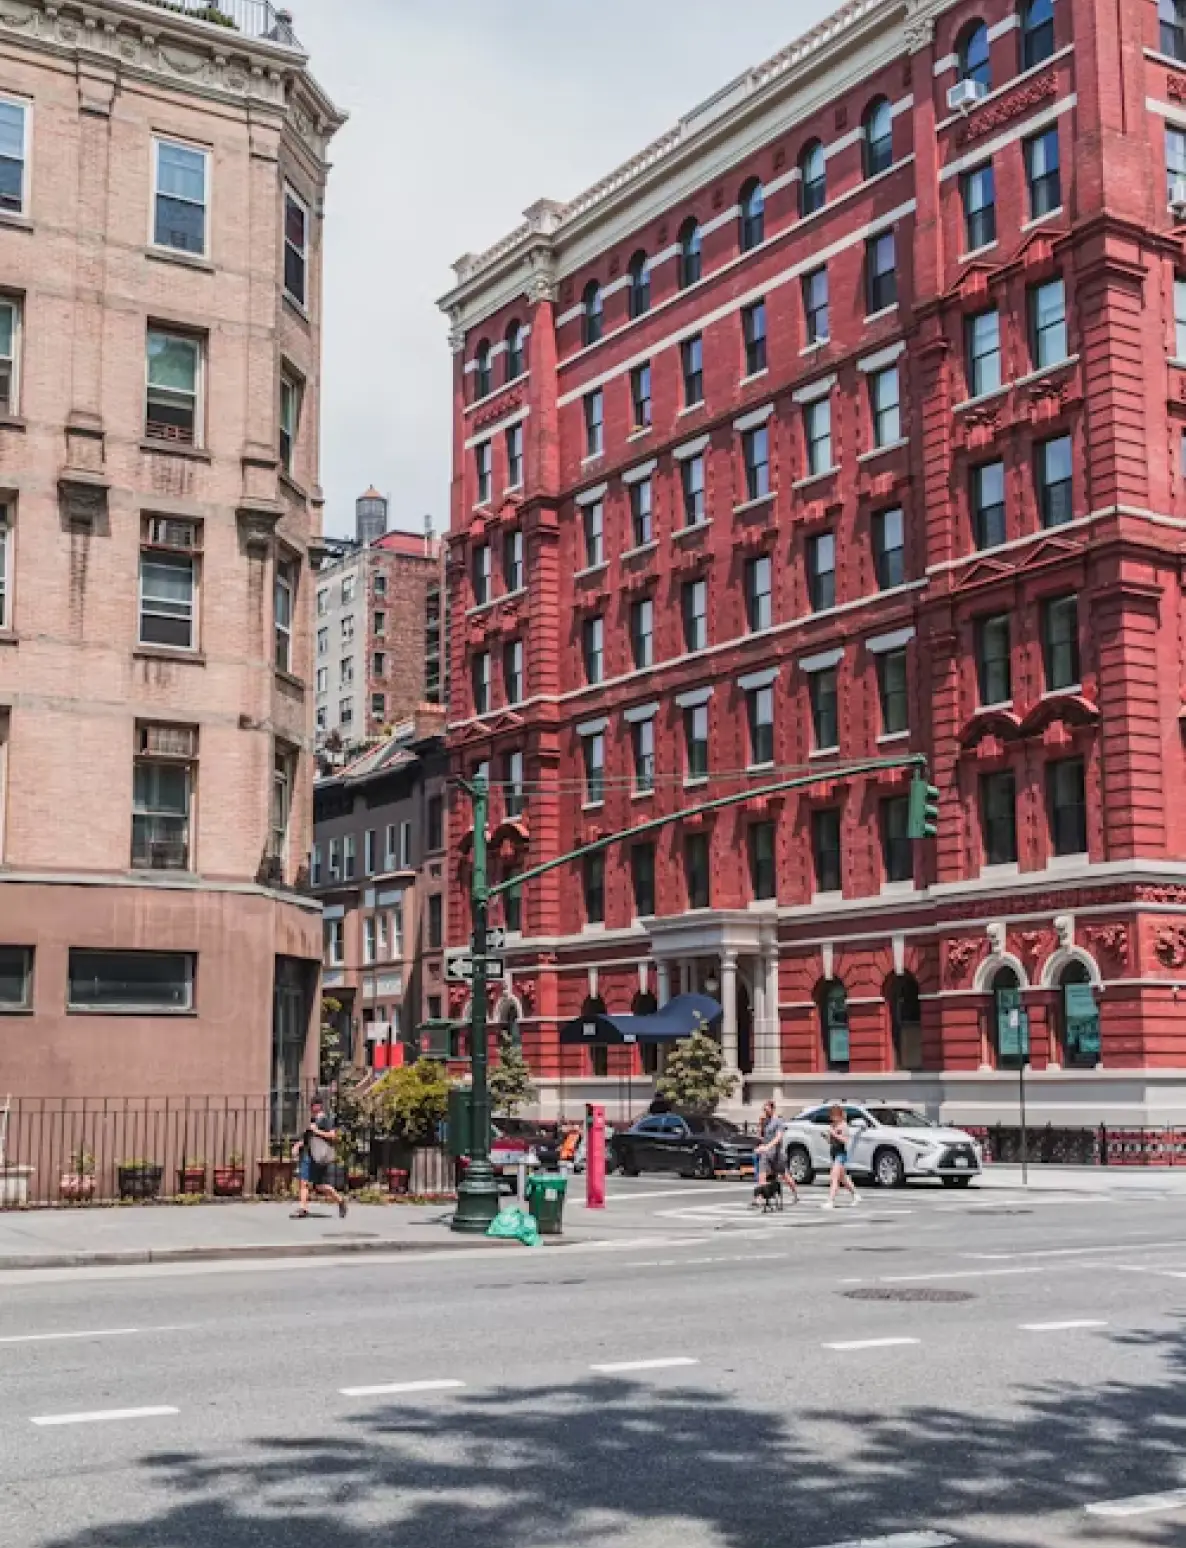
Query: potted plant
{"type": "Point", "coordinates": [276, 1170]}
{"type": "Point", "coordinates": [406, 1107]}
{"type": "Point", "coordinates": [231, 1179]}
{"type": "Point", "coordinates": [139, 1179]}
{"type": "Point", "coordinates": [78, 1184]}
{"type": "Point", "coordinates": [191, 1175]}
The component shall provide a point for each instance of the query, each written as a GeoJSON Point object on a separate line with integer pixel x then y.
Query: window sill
{"type": "Point", "coordinates": [592, 806]}
{"type": "Point", "coordinates": [291, 679]}
{"type": "Point", "coordinates": [484, 607]}
{"type": "Point", "coordinates": [886, 311]}
{"type": "Point", "coordinates": [1060, 693]}
{"type": "Point", "coordinates": [893, 736]}
{"type": "Point", "coordinates": [691, 408]}
{"type": "Point", "coordinates": [643, 548]}
{"type": "Point", "coordinates": [824, 752]}
{"type": "Point", "coordinates": [513, 489]}
{"type": "Point", "coordinates": [16, 1010]}
{"type": "Point", "coordinates": [13, 422]}
{"type": "Point", "coordinates": [698, 783]}
{"type": "Point", "coordinates": [152, 1011]}
{"type": "Point", "coordinates": [9, 637]}
{"type": "Point", "coordinates": [1046, 370]}
{"type": "Point", "coordinates": [754, 376]}
{"type": "Point", "coordinates": [593, 927]}
{"type": "Point", "coordinates": [288, 482]}
{"type": "Point", "coordinates": [813, 478]}
{"type": "Point", "coordinates": [1068, 862]}
{"type": "Point", "coordinates": [18, 221]}
{"type": "Point", "coordinates": [1010, 868]}
{"type": "Point", "coordinates": [998, 704]}
{"type": "Point", "coordinates": [752, 505]}
{"type": "Point", "coordinates": [1040, 220]}
{"type": "Point", "coordinates": [882, 451]}
{"type": "Point", "coordinates": [591, 458]}
{"type": "Point", "coordinates": [982, 397]}
{"type": "Point", "coordinates": [679, 535]}
{"type": "Point", "coordinates": [760, 768]}
{"type": "Point", "coordinates": [642, 795]}
{"type": "Point", "coordinates": [976, 252]}
{"type": "Point", "coordinates": [639, 432]}
{"type": "Point", "coordinates": [591, 569]}
{"type": "Point", "coordinates": [827, 897]}
{"type": "Point", "coordinates": [814, 349]}
{"type": "Point", "coordinates": [298, 308]}
{"type": "Point", "coordinates": [897, 889]}
{"type": "Point", "coordinates": [169, 653]}
{"type": "Point", "coordinates": [175, 449]}
{"type": "Point", "coordinates": [183, 260]}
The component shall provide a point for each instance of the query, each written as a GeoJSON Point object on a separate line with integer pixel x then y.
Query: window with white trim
{"type": "Point", "coordinates": [174, 381]}
{"type": "Point", "coordinates": [760, 714]}
{"type": "Point", "coordinates": [10, 335]}
{"type": "Point", "coordinates": [642, 633]}
{"type": "Point", "coordinates": [284, 765]}
{"type": "Point", "coordinates": [169, 557]}
{"type": "Point", "coordinates": [296, 247]}
{"type": "Point", "coordinates": [180, 195]}
{"type": "Point", "coordinates": [641, 524]}
{"type": "Point", "coordinates": [696, 741]}
{"type": "Point", "coordinates": [694, 599]}
{"type": "Point", "coordinates": [514, 444]}
{"type": "Point", "coordinates": [692, 487]}
{"type": "Point", "coordinates": [484, 471]}
{"type": "Point", "coordinates": [285, 604]}
{"type": "Point", "coordinates": [817, 434]}
{"type": "Point", "coordinates": [1048, 324]}
{"type": "Point", "coordinates": [758, 600]}
{"type": "Point", "coordinates": [642, 746]}
{"type": "Point", "coordinates": [885, 406]}
{"type": "Point", "coordinates": [481, 682]}
{"type": "Point", "coordinates": [755, 445]}
{"type": "Point", "coordinates": [291, 395]}
{"type": "Point", "coordinates": [14, 154]}
{"type": "Point", "coordinates": [825, 721]}
{"type": "Point", "coordinates": [815, 306]}
{"type": "Point", "coordinates": [163, 776]}
{"type": "Point", "coordinates": [593, 525]}
{"type": "Point", "coordinates": [5, 568]}
{"type": "Point", "coordinates": [594, 423]}
{"type": "Point", "coordinates": [593, 648]}
{"type": "Point", "coordinates": [593, 748]}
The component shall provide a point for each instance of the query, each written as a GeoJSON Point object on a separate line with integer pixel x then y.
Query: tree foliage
{"type": "Point", "coordinates": [695, 1079]}
{"type": "Point", "coordinates": [511, 1085]}
{"type": "Point", "coordinates": [408, 1103]}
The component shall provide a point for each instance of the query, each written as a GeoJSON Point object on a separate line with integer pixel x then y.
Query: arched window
{"type": "Point", "coordinates": [644, 1004]}
{"type": "Point", "coordinates": [1037, 32]}
{"type": "Point", "coordinates": [813, 185]}
{"type": "Point", "coordinates": [832, 1000]}
{"type": "Point", "coordinates": [1172, 16]}
{"type": "Point", "coordinates": [514, 339]}
{"type": "Point", "coordinates": [482, 381]}
{"type": "Point", "coordinates": [689, 253]}
{"type": "Point", "coordinates": [973, 55]}
{"type": "Point", "coordinates": [905, 1007]}
{"type": "Point", "coordinates": [1008, 1019]}
{"type": "Point", "coordinates": [753, 215]}
{"type": "Point", "coordinates": [1078, 1018]}
{"type": "Point", "coordinates": [599, 1057]}
{"type": "Point", "coordinates": [591, 314]}
{"type": "Point", "coordinates": [640, 285]}
{"type": "Point", "coordinates": [879, 137]}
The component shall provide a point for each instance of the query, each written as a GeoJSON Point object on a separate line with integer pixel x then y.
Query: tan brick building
{"type": "Point", "coordinates": [161, 184]}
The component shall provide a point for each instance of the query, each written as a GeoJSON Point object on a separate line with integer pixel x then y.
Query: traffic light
{"type": "Point", "coordinates": [923, 821]}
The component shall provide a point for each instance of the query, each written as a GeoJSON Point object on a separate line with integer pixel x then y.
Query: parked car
{"type": "Point", "coordinates": [684, 1143]}
{"type": "Point", "coordinates": [890, 1144]}
{"type": "Point", "coordinates": [517, 1140]}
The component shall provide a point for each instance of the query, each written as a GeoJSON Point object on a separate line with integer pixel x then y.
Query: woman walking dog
{"type": "Point", "coordinates": [839, 1138]}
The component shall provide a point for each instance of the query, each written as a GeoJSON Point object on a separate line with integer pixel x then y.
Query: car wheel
{"type": "Point", "coordinates": [888, 1169]}
{"type": "Point", "coordinates": [702, 1167]}
{"type": "Point", "coordinates": [955, 1182]}
{"type": "Point", "coordinates": [799, 1166]}
{"type": "Point", "coordinates": [629, 1167]}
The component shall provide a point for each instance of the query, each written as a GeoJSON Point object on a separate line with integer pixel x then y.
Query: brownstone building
{"type": "Point", "coordinates": [161, 185]}
{"type": "Point", "coordinates": [843, 425]}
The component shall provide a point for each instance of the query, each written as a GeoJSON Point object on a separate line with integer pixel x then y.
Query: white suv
{"type": "Point", "coordinates": [888, 1144]}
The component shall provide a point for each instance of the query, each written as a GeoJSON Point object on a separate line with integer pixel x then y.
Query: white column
{"type": "Point", "coordinates": [729, 1006]}
{"type": "Point", "coordinates": [663, 968]}
{"type": "Point", "coordinates": [774, 1034]}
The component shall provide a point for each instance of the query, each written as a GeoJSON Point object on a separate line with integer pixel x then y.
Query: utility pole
{"type": "Point", "coordinates": [477, 1194]}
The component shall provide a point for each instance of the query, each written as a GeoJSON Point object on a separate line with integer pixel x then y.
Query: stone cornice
{"type": "Point", "coordinates": [166, 47]}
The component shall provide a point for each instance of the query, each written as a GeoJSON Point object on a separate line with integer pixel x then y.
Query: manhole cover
{"type": "Point", "coordinates": [885, 1293]}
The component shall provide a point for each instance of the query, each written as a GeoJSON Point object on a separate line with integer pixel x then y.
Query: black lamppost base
{"type": "Point", "coordinates": [477, 1199]}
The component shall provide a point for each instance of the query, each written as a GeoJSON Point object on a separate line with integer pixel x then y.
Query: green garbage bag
{"type": "Point", "coordinates": [515, 1225]}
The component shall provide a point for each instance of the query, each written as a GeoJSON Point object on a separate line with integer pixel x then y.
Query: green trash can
{"type": "Point", "coordinates": [545, 1200]}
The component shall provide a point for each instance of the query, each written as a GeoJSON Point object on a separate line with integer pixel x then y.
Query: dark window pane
{"type": "Point", "coordinates": [1066, 797]}
{"type": "Point", "coordinates": [763, 881]}
{"type": "Point", "coordinates": [825, 847]}
{"type": "Point", "coordinates": [897, 852]}
{"type": "Point", "coordinates": [16, 977]}
{"type": "Point", "coordinates": [998, 818]}
{"type": "Point", "coordinates": [147, 981]}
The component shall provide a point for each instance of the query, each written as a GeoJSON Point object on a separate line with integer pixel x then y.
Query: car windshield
{"type": "Point", "coordinates": [721, 1128]}
{"type": "Point", "coordinates": [900, 1118]}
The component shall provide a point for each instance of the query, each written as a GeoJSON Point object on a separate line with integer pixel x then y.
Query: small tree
{"type": "Point", "coordinates": [695, 1079]}
{"type": "Point", "coordinates": [511, 1086]}
{"type": "Point", "coordinates": [409, 1103]}
{"type": "Point", "coordinates": [330, 1061]}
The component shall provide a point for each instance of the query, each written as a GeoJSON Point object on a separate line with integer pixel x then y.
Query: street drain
{"type": "Point", "coordinates": [937, 1297]}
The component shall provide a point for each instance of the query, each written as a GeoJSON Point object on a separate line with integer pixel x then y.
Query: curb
{"type": "Point", "coordinates": [15, 1263]}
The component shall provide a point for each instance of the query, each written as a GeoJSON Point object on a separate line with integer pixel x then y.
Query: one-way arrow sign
{"type": "Point", "coordinates": [460, 970]}
{"type": "Point", "coordinates": [496, 937]}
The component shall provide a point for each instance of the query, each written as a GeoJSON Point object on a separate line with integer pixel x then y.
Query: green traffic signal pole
{"type": "Point", "coordinates": [477, 1195]}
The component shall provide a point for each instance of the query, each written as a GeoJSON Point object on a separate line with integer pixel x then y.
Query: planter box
{"type": "Point", "coordinates": [14, 1184]}
{"type": "Point", "coordinates": [191, 1179]}
{"type": "Point", "coordinates": [140, 1182]}
{"type": "Point", "coordinates": [398, 1180]}
{"type": "Point", "coordinates": [77, 1187]}
{"type": "Point", "coordinates": [275, 1177]}
{"type": "Point", "coordinates": [229, 1182]}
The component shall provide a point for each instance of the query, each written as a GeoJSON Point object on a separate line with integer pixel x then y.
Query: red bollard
{"type": "Point", "coordinates": [595, 1158]}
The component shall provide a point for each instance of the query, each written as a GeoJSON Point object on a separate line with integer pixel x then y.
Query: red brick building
{"type": "Point", "coordinates": [848, 421]}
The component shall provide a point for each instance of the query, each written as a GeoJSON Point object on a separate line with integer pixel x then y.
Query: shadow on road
{"type": "Point", "coordinates": [615, 1462]}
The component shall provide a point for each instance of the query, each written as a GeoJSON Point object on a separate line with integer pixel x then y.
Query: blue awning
{"type": "Point", "coordinates": [680, 1017]}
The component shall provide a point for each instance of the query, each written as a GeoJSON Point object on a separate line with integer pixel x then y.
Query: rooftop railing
{"type": "Point", "coordinates": [253, 18]}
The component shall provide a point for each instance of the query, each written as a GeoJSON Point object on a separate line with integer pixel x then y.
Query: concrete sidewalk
{"type": "Point", "coordinates": [1111, 1180]}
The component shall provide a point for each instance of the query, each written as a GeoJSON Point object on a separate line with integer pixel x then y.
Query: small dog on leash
{"type": "Point", "coordinates": [769, 1194]}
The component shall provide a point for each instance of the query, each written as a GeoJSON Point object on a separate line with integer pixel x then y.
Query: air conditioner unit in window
{"type": "Point", "coordinates": [964, 95]}
{"type": "Point", "coordinates": [167, 532]}
{"type": "Point", "coordinates": [1178, 196]}
{"type": "Point", "coordinates": [169, 741]}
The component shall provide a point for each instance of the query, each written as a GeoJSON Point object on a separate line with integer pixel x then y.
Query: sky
{"type": "Point", "coordinates": [462, 113]}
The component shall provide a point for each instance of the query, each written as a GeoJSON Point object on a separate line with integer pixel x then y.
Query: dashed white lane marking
{"type": "Point", "coordinates": [1139, 1268]}
{"type": "Point", "coordinates": [902, 1279]}
{"type": "Point", "coordinates": [616, 1366]}
{"type": "Point", "coordinates": [900, 1540]}
{"type": "Point", "coordinates": [104, 1416]}
{"type": "Point", "coordinates": [1060, 1327]}
{"type": "Point", "coordinates": [393, 1388]}
{"type": "Point", "coordinates": [48, 1338]}
{"type": "Point", "coordinates": [872, 1343]}
{"type": "Point", "coordinates": [1073, 1252]}
{"type": "Point", "coordinates": [1140, 1504]}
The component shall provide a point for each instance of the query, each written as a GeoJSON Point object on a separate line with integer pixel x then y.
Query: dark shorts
{"type": "Point", "coordinates": [315, 1173]}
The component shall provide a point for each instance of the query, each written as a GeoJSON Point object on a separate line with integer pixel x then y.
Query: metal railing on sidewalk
{"type": "Point", "coordinates": [1101, 1145]}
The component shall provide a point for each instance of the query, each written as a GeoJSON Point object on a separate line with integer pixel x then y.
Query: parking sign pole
{"type": "Point", "coordinates": [477, 1195]}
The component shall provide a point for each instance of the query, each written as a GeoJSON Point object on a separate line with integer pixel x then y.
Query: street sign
{"type": "Point", "coordinates": [496, 937]}
{"type": "Point", "coordinates": [460, 970]}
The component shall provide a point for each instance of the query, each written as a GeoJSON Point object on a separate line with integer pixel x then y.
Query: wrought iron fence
{"type": "Point", "coordinates": [253, 18]}
{"type": "Point", "coordinates": [1103, 1145]}
{"type": "Point", "coordinates": [62, 1150]}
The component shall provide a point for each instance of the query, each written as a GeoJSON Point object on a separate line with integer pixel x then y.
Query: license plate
{"type": "Point", "coordinates": [961, 1161]}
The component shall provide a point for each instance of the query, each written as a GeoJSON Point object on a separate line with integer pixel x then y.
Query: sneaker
{"type": "Point", "coordinates": [343, 1209]}
{"type": "Point", "coordinates": [299, 1214]}
{"type": "Point", "coordinates": [856, 1199]}
{"type": "Point", "coordinates": [827, 1204]}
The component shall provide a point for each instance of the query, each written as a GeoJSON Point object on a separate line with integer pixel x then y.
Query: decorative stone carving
{"type": "Point", "coordinates": [919, 30]}
{"type": "Point", "coordinates": [996, 933]}
{"type": "Point", "coordinates": [961, 954]}
{"type": "Point", "coordinates": [257, 527]}
{"type": "Point", "coordinates": [525, 988]}
{"type": "Point", "coordinates": [1169, 944]}
{"type": "Point", "coordinates": [1110, 941]}
{"type": "Point", "coordinates": [1033, 945]}
{"type": "Point", "coordinates": [1003, 111]}
{"type": "Point", "coordinates": [1160, 894]}
{"type": "Point", "coordinates": [1064, 929]}
{"type": "Point", "coordinates": [83, 499]}
{"type": "Point", "coordinates": [1175, 87]}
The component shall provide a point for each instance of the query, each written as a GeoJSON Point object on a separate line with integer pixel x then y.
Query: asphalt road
{"type": "Point", "coordinates": [928, 1369]}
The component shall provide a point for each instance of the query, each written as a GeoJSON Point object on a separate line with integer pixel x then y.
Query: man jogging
{"type": "Point", "coordinates": [315, 1151]}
